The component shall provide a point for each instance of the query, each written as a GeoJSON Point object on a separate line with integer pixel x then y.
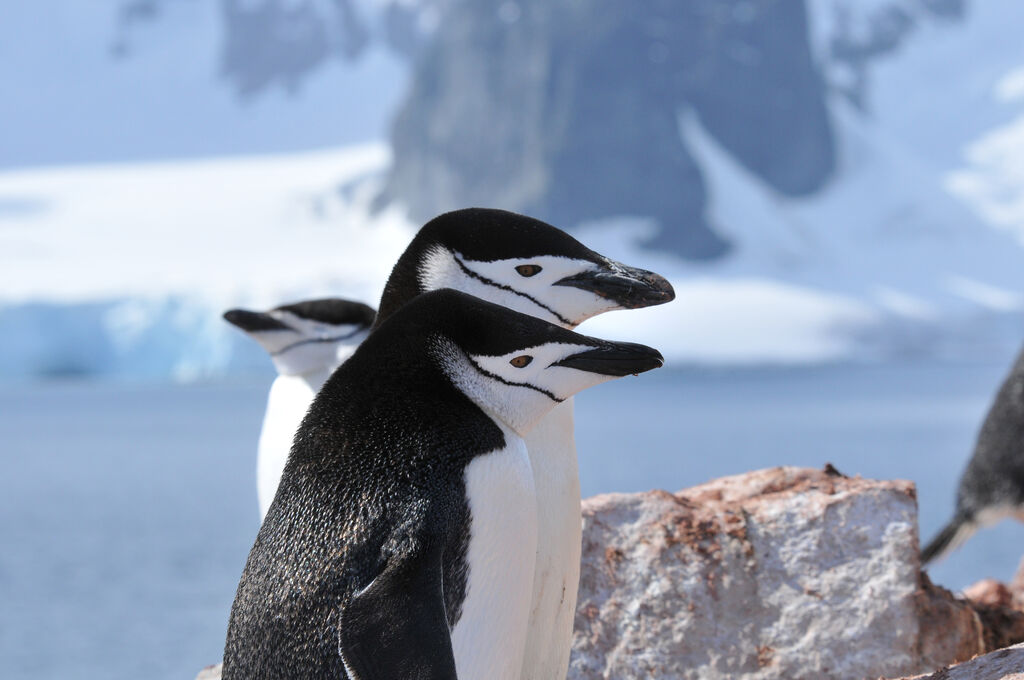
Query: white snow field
{"type": "Point", "coordinates": [916, 248]}
{"type": "Point", "coordinates": [123, 270]}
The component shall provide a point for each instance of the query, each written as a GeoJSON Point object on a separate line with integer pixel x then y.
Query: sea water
{"type": "Point", "coordinates": [127, 512]}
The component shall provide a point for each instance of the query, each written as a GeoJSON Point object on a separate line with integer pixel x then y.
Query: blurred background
{"type": "Point", "coordinates": [834, 187]}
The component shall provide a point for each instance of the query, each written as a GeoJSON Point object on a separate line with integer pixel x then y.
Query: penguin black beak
{"type": "Point", "coordinates": [615, 359]}
{"type": "Point", "coordinates": [252, 322]}
{"type": "Point", "coordinates": [628, 287]}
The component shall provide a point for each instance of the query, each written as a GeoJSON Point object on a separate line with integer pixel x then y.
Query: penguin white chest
{"type": "Point", "coordinates": [490, 636]}
{"type": "Point", "coordinates": [556, 578]}
{"type": "Point", "coordinates": [289, 399]}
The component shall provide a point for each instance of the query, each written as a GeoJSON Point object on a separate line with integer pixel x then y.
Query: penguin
{"type": "Point", "coordinates": [532, 267]}
{"type": "Point", "coordinates": [306, 341]}
{"type": "Point", "coordinates": [401, 541]}
{"type": "Point", "coordinates": [992, 486]}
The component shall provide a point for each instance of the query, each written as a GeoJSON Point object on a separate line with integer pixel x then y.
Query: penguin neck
{"type": "Point", "coordinates": [518, 408]}
{"type": "Point", "coordinates": [552, 450]}
{"type": "Point", "coordinates": [312, 362]}
{"type": "Point", "coordinates": [311, 380]}
{"type": "Point", "coordinates": [434, 409]}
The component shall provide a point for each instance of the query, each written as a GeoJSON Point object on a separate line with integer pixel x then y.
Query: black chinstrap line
{"type": "Point", "coordinates": [310, 341]}
{"type": "Point", "coordinates": [486, 281]}
{"type": "Point", "coordinates": [488, 374]}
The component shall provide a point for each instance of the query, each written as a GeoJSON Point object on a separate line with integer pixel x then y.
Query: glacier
{"type": "Point", "coordinates": [121, 269]}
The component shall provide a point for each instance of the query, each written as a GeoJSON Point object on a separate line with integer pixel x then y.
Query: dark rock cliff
{"type": "Point", "coordinates": [569, 109]}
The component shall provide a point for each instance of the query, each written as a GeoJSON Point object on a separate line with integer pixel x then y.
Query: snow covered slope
{"type": "Point", "coordinates": [124, 270]}
{"type": "Point", "coordinates": [916, 247]}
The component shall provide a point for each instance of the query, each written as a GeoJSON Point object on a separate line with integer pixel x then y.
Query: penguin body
{"type": "Point", "coordinates": [402, 539]}
{"type": "Point", "coordinates": [306, 341]}
{"type": "Point", "coordinates": [532, 267]}
{"type": "Point", "coordinates": [991, 488]}
{"type": "Point", "coordinates": [502, 529]}
{"type": "Point", "coordinates": [287, 403]}
{"type": "Point", "coordinates": [552, 450]}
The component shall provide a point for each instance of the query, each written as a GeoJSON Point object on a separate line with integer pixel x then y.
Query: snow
{"type": "Point", "coordinates": [1011, 86]}
{"type": "Point", "coordinates": [742, 321]}
{"type": "Point", "coordinates": [122, 269]}
{"type": "Point", "coordinates": [992, 180]}
{"type": "Point", "coordinates": [236, 230]}
{"type": "Point", "coordinates": [131, 266]}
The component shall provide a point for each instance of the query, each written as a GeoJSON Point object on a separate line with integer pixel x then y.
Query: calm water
{"type": "Point", "coordinates": [127, 512]}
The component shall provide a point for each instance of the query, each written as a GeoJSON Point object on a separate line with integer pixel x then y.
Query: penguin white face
{"type": "Point", "coordinates": [522, 386]}
{"type": "Point", "coordinates": [520, 263]}
{"type": "Point", "coordinates": [561, 290]}
{"type": "Point", "coordinates": [307, 336]}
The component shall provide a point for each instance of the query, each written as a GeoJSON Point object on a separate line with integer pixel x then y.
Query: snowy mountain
{"type": "Point", "coordinates": [915, 245]}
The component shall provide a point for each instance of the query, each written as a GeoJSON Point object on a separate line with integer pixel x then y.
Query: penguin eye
{"type": "Point", "coordinates": [528, 269]}
{"type": "Point", "coordinates": [521, 360]}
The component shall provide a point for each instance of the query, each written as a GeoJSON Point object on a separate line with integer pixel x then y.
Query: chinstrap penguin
{"type": "Point", "coordinates": [992, 486]}
{"type": "Point", "coordinates": [532, 267]}
{"type": "Point", "coordinates": [306, 341]}
{"type": "Point", "coordinates": [401, 541]}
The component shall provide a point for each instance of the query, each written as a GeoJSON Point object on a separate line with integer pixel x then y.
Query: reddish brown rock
{"type": "Point", "coordinates": [990, 593]}
{"type": "Point", "coordinates": [784, 574]}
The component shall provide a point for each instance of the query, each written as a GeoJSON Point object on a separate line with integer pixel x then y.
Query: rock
{"type": "Point", "coordinates": [782, 573]}
{"type": "Point", "coordinates": [991, 593]}
{"type": "Point", "coordinates": [568, 110]}
{"type": "Point", "coordinates": [1000, 607]}
{"type": "Point", "coordinates": [1006, 664]}
{"type": "Point", "coordinates": [785, 573]}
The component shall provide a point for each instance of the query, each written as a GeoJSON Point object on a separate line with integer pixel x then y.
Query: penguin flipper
{"type": "Point", "coordinates": [397, 627]}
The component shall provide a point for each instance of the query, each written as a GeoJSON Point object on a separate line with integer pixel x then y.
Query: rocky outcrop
{"type": "Point", "coordinates": [1001, 607]}
{"type": "Point", "coordinates": [779, 574]}
{"type": "Point", "coordinates": [783, 573]}
{"type": "Point", "coordinates": [568, 110]}
{"type": "Point", "coordinates": [1005, 664]}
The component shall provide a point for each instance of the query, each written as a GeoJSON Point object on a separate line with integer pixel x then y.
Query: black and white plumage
{"type": "Point", "coordinates": [520, 263]}
{"type": "Point", "coordinates": [530, 266]}
{"type": "Point", "coordinates": [401, 540]}
{"type": "Point", "coordinates": [992, 486]}
{"type": "Point", "coordinates": [306, 340]}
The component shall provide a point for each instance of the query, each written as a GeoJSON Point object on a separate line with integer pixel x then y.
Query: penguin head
{"type": "Point", "coordinates": [309, 335]}
{"type": "Point", "coordinates": [514, 366]}
{"type": "Point", "coordinates": [520, 263]}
